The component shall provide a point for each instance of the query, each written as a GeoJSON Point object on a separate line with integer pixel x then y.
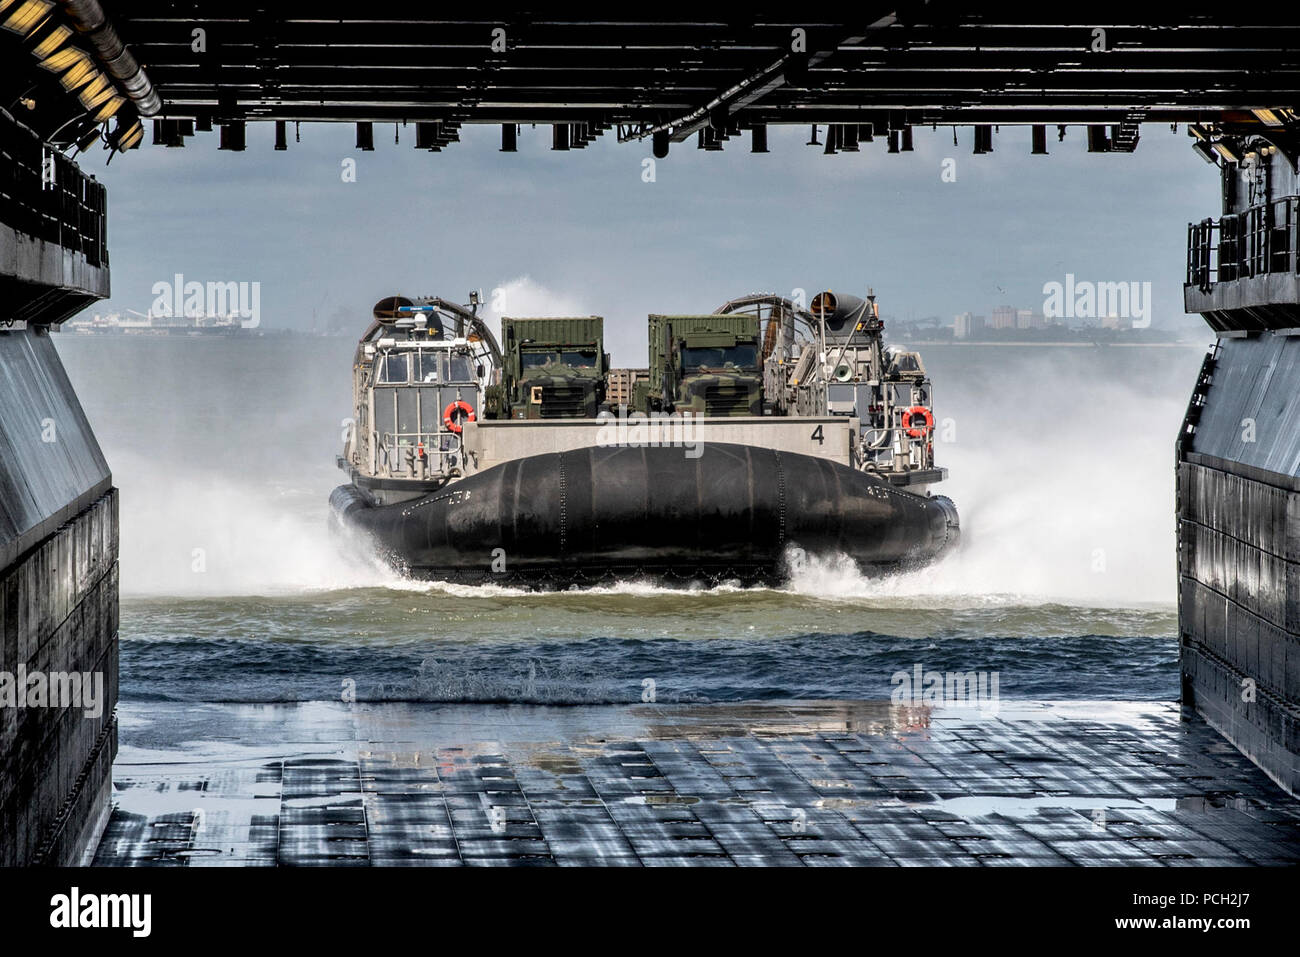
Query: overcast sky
{"type": "Point", "coordinates": [581, 232]}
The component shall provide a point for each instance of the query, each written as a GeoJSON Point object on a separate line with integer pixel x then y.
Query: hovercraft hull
{"type": "Point", "coordinates": [603, 513]}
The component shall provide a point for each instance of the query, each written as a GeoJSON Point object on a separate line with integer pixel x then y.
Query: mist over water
{"type": "Point", "coordinates": [204, 533]}
{"type": "Point", "coordinates": [1061, 466]}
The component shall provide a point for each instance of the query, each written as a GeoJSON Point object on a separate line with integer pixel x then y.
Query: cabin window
{"type": "Point", "coordinates": [392, 368]}
{"type": "Point", "coordinates": [385, 410]}
{"type": "Point", "coordinates": [460, 369]}
{"type": "Point", "coordinates": [431, 405]}
{"type": "Point", "coordinates": [579, 358]}
{"type": "Point", "coordinates": [743, 355]}
{"type": "Point", "coordinates": [428, 367]}
{"type": "Point", "coordinates": [407, 401]}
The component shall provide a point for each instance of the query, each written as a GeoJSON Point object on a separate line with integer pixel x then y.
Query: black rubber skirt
{"type": "Point", "coordinates": [604, 514]}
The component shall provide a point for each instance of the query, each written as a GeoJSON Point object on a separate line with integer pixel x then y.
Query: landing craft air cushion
{"type": "Point", "coordinates": [759, 433]}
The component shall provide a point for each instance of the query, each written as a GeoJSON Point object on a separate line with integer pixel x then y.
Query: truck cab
{"type": "Point", "coordinates": [708, 365]}
{"type": "Point", "coordinates": [555, 368]}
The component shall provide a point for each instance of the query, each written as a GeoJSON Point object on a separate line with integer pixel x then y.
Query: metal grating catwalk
{"type": "Point", "coordinates": [812, 783]}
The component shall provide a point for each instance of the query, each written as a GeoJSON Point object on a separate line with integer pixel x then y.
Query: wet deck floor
{"type": "Point", "coordinates": [818, 783]}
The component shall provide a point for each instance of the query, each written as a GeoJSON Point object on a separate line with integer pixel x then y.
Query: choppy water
{"type": "Point", "coordinates": [438, 643]}
{"type": "Point", "coordinates": [1061, 465]}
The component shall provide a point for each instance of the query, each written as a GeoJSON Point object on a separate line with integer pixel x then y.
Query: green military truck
{"type": "Point", "coordinates": [708, 365]}
{"type": "Point", "coordinates": [554, 368]}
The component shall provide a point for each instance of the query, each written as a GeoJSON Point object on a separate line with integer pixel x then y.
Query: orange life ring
{"type": "Point", "coordinates": [916, 431]}
{"type": "Point", "coordinates": [452, 408]}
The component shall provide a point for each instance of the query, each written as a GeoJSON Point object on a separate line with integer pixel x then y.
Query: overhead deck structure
{"type": "Point", "coordinates": [77, 75]}
{"type": "Point", "coordinates": [711, 77]}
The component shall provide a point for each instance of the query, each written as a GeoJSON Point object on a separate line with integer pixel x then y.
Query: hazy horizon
{"type": "Point", "coordinates": [582, 233]}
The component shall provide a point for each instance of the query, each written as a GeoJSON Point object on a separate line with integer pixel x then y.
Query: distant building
{"type": "Point", "coordinates": [1028, 319]}
{"type": "Point", "coordinates": [1004, 317]}
{"type": "Point", "coordinates": [1116, 322]}
{"type": "Point", "coordinates": [967, 326]}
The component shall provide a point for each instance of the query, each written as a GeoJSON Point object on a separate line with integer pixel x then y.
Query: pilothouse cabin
{"type": "Point", "coordinates": [419, 373]}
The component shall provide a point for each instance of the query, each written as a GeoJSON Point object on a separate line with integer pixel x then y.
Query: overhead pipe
{"type": "Point", "coordinates": [752, 88]}
{"type": "Point", "coordinates": [91, 22]}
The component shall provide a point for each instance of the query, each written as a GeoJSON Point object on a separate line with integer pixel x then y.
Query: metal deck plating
{"type": "Point", "coordinates": [791, 783]}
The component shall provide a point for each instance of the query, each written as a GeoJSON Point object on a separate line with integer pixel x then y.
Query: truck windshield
{"type": "Point", "coordinates": [579, 359]}
{"type": "Point", "coordinates": [535, 360]}
{"type": "Point", "coordinates": [743, 355]}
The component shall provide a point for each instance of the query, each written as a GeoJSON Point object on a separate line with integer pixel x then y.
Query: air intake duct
{"type": "Point", "coordinates": [840, 312]}
{"type": "Point", "coordinates": [389, 310]}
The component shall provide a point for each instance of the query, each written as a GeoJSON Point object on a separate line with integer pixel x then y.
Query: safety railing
{"type": "Point", "coordinates": [906, 445]}
{"type": "Point", "coordinates": [399, 453]}
{"type": "Point", "coordinates": [44, 194]}
{"type": "Point", "coordinates": [1257, 241]}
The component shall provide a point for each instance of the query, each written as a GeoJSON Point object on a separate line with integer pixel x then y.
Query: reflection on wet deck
{"type": "Point", "coordinates": [773, 784]}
